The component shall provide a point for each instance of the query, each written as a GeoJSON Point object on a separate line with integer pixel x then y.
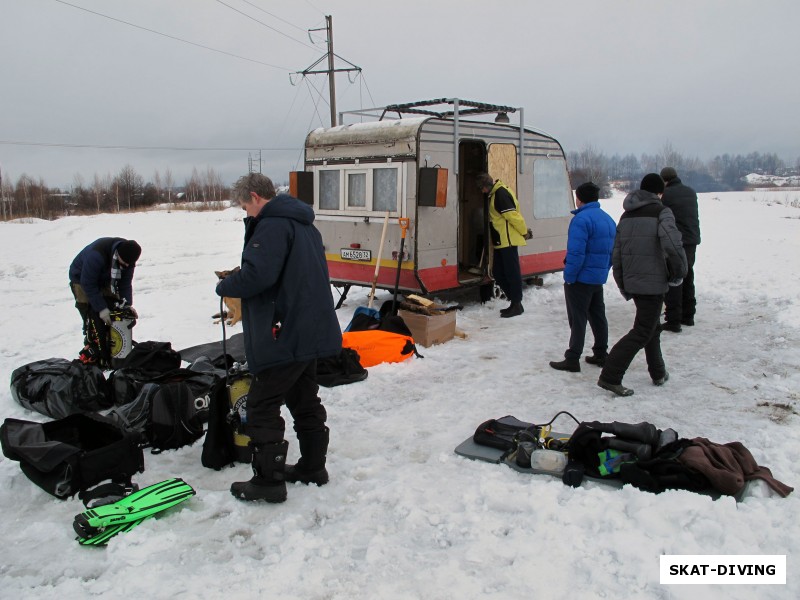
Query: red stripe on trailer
{"type": "Point", "coordinates": [362, 274]}
{"type": "Point", "coordinates": [547, 262]}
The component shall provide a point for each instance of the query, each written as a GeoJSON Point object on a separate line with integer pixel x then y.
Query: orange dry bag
{"type": "Point", "coordinates": [375, 346]}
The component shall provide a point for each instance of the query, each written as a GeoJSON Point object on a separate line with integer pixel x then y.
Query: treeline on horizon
{"type": "Point", "coordinates": [723, 173]}
{"type": "Point", "coordinates": [128, 190]}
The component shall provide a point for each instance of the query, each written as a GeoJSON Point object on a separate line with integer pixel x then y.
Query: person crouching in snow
{"type": "Point", "coordinates": [100, 277]}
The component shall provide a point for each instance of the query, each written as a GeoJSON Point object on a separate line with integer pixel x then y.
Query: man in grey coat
{"type": "Point", "coordinates": [648, 258]}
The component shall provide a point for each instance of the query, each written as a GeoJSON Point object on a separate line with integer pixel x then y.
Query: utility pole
{"type": "Point", "coordinates": [331, 70]}
{"type": "Point", "coordinates": [251, 161]}
{"type": "Point", "coordinates": [331, 78]}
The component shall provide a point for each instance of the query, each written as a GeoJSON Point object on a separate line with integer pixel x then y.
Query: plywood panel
{"type": "Point", "coordinates": [503, 164]}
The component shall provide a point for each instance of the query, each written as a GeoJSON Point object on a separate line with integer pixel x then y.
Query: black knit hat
{"type": "Point", "coordinates": [587, 192]}
{"type": "Point", "coordinates": [129, 251]}
{"type": "Point", "coordinates": [669, 173]}
{"type": "Point", "coordinates": [652, 182]}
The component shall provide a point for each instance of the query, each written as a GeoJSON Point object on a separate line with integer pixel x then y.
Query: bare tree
{"type": "Point", "coordinates": [157, 184]}
{"type": "Point", "coordinates": [129, 184]}
{"type": "Point", "coordinates": [668, 156]}
{"type": "Point", "coordinates": [168, 183]}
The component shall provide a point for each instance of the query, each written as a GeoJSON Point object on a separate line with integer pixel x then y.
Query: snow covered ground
{"type": "Point", "coordinates": [403, 516]}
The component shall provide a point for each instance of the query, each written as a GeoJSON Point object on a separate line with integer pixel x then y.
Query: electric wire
{"type": "Point", "coordinates": [286, 35]}
{"type": "Point", "coordinates": [127, 147]}
{"type": "Point", "coordinates": [173, 37]}
{"type": "Point", "coordinates": [274, 16]}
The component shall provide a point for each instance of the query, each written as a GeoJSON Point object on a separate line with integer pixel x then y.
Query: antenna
{"type": "Point", "coordinates": [331, 70]}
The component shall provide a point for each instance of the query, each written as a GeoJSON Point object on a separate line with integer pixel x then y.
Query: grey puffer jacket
{"type": "Point", "coordinates": [647, 249]}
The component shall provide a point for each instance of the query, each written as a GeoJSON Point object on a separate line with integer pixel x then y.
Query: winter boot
{"type": "Point", "coordinates": [661, 380]}
{"type": "Point", "coordinates": [617, 388]}
{"type": "Point", "coordinates": [644, 432]}
{"type": "Point", "coordinates": [573, 366]}
{"type": "Point", "coordinates": [268, 482]}
{"type": "Point", "coordinates": [513, 310]}
{"type": "Point", "coordinates": [598, 361]}
{"type": "Point", "coordinates": [311, 466]}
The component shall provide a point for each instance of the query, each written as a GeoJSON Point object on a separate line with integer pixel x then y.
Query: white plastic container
{"type": "Point", "coordinates": [548, 460]}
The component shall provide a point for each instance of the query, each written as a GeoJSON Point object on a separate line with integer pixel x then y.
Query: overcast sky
{"type": "Point", "coordinates": [159, 77]}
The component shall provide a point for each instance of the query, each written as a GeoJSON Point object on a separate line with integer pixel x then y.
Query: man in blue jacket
{"type": "Point", "coordinates": [590, 242]}
{"type": "Point", "coordinates": [101, 278]}
{"type": "Point", "coordinates": [289, 322]}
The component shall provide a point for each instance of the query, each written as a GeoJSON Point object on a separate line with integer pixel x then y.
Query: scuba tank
{"type": "Point", "coordinates": [120, 334]}
{"type": "Point", "coordinates": [239, 380]}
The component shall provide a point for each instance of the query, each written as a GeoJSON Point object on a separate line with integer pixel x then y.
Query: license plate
{"type": "Point", "coordinates": [355, 254]}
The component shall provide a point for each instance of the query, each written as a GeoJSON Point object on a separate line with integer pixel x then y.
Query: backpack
{"type": "Point", "coordinates": [375, 347]}
{"type": "Point", "coordinates": [152, 356]}
{"type": "Point", "coordinates": [57, 387]}
{"type": "Point", "coordinates": [166, 414]}
{"type": "Point", "coordinates": [72, 454]}
{"type": "Point", "coordinates": [342, 369]}
{"type": "Point", "coordinates": [501, 433]}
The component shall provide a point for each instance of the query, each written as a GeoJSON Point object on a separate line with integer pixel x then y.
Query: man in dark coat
{"type": "Point", "coordinates": [289, 322]}
{"type": "Point", "coordinates": [680, 302]}
{"type": "Point", "coordinates": [648, 258]}
{"type": "Point", "coordinates": [101, 278]}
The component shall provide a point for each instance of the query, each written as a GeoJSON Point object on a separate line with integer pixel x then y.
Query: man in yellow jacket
{"type": "Point", "coordinates": [508, 231]}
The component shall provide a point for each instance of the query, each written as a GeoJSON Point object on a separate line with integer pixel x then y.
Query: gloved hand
{"type": "Point", "coordinates": [528, 234]}
{"type": "Point", "coordinates": [675, 282]}
{"type": "Point", "coordinates": [105, 316]}
{"type": "Point", "coordinates": [134, 313]}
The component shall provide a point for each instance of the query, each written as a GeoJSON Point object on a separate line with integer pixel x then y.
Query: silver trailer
{"type": "Point", "coordinates": [420, 168]}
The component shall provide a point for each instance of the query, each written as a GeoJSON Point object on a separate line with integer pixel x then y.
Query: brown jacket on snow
{"type": "Point", "coordinates": [728, 466]}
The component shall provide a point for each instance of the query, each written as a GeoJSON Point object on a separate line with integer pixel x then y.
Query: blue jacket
{"type": "Point", "coordinates": [92, 270]}
{"type": "Point", "coordinates": [284, 279]}
{"type": "Point", "coordinates": [590, 242]}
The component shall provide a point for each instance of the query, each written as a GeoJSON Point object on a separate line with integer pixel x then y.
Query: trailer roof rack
{"type": "Point", "coordinates": [449, 108]}
{"type": "Point", "coordinates": [460, 107]}
{"type": "Point", "coordinates": [456, 109]}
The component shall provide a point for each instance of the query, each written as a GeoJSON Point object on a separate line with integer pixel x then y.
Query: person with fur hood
{"type": "Point", "coordinates": [648, 258]}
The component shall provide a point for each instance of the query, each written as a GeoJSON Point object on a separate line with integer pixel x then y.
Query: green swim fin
{"type": "Point", "coordinates": [131, 510]}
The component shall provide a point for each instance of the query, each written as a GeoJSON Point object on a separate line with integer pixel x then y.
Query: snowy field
{"type": "Point", "coordinates": [403, 516]}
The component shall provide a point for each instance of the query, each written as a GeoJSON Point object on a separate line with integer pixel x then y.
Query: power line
{"type": "Point", "coordinates": [274, 17]}
{"type": "Point", "coordinates": [125, 147]}
{"type": "Point", "coordinates": [172, 37]}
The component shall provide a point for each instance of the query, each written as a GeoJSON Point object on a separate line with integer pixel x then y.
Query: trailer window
{"type": "Point", "coordinates": [552, 195]}
{"type": "Point", "coordinates": [384, 190]}
{"type": "Point", "coordinates": [359, 189]}
{"type": "Point", "coordinates": [329, 189]}
{"type": "Point", "coordinates": [356, 190]}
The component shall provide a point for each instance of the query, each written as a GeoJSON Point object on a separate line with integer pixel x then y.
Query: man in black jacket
{"type": "Point", "coordinates": [289, 322]}
{"type": "Point", "coordinates": [680, 302]}
{"type": "Point", "coordinates": [647, 259]}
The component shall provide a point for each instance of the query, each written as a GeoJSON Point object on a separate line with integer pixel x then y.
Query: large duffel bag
{"type": "Point", "coordinates": [71, 454]}
{"type": "Point", "coordinates": [57, 387]}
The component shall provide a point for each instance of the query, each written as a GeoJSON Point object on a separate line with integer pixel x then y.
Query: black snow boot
{"type": "Point", "coordinates": [513, 310]}
{"type": "Point", "coordinates": [573, 366]}
{"type": "Point", "coordinates": [268, 482]}
{"type": "Point", "coordinates": [311, 466]}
